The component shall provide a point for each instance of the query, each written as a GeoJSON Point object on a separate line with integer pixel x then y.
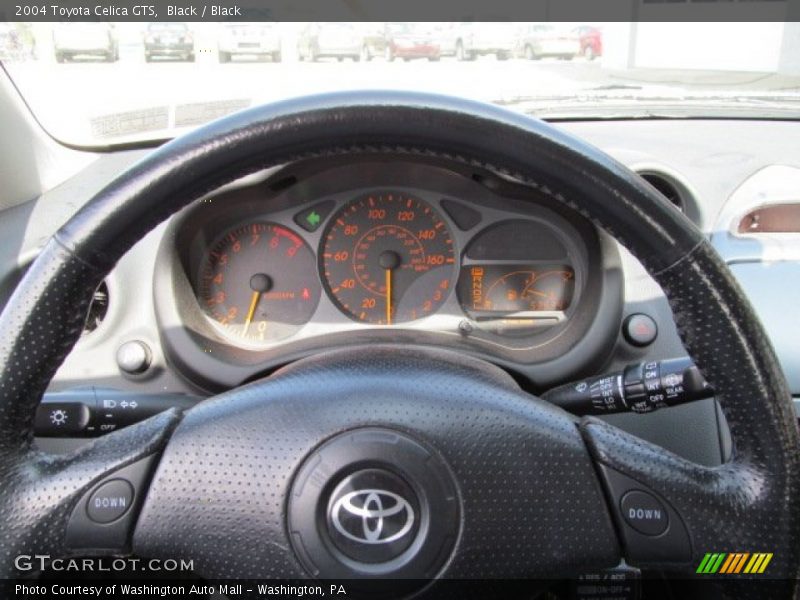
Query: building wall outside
{"type": "Point", "coordinates": [758, 47]}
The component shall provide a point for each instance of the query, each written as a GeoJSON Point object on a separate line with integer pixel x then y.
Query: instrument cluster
{"type": "Point", "coordinates": [379, 251]}
{"type": "Point", "coordinates": [386, 258]}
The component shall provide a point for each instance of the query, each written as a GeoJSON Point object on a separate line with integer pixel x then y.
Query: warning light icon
{"type": "Point", "coordinates": [313, 218]}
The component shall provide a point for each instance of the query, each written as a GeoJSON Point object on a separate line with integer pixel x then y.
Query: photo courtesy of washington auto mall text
{"type": "Point", "coordinates": [183, 590]}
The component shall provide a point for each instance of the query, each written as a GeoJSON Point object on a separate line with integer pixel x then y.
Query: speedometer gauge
{"type": "Point", "coordinates": [388, 258]}
{"type": "Point", "coordinates": [258, 283]}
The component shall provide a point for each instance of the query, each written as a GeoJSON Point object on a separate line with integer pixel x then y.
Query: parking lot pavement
{"type": "Point", "coordinates": [69, 98]}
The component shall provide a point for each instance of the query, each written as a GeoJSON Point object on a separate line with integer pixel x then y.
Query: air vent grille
{"type": "Point", "coordinates": [667, 188]}
{"type": "Point", "coordinates": [97, 309]}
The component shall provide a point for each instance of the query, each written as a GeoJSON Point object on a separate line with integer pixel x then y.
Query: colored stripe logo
{"type": "Point", "coordinates": [734, 563]}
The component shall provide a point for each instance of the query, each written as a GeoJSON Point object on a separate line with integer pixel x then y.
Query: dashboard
{"type": "Point", "coordinates": [320, 254]}
{"type": "Point", "coordinates": [720, 170]}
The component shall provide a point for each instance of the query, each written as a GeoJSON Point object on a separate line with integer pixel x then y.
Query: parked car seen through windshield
{"type": "Point", "coordinates": [106, 83]}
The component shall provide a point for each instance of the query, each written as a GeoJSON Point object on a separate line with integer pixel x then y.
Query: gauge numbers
{"type": "Point", "coordinates": [388, 258]}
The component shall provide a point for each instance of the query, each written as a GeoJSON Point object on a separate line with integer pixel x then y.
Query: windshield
{"type": "Point", "coordinates": [111, 83]}
{"type": "Point", "coordinates": [166, 27]}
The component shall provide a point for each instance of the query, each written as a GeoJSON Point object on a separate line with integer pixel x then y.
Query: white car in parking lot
{"type": "Point", "coordinates": [467, 41]}
{"type": "Point", "coordinates": [261, 40]}
{"type": "Point", "coordinates": [71, 40]}
{"type": "Point", "coordinates": [541, 40]}
{"type": "Point", "coordinates": [330, 40]}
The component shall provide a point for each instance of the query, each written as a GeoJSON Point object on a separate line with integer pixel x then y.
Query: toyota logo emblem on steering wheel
{"type": "Point", "coordinates": [373, 516]}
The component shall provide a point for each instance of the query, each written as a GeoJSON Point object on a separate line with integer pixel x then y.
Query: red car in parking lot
{"type": "Point", "coordinates": [411, 40]}
{"type": "Point", "coordinates": [591, 40]}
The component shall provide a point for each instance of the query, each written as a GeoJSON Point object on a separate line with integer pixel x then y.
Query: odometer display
{"type": "Point", "coordinates": [388, 258]}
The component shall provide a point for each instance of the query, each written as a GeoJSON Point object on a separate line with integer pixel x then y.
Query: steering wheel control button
{"type": "Point", "coordinates": [311, 218]}
{"type": "Point", "coordinates": [652, 530]}
{"type": "Point", "coordinates": [644, 513]}
{"type": "Point", "coordinates": [372, 503]}
{"type": "Point", "coordinates": [104, 517]}
{"type": "Point", "coordinates": [134, 357]}
{"type": "Point", "coordinates": [373, 516]}
{"type": "Point", "coordinates": [110, 501]}
{"type": "Point", "coordinates": [640, 330]}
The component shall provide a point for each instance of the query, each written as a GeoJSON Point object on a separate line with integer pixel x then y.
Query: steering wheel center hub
{"type": "Point", "coordinates": [373, 516]}
{"type": "Point", "coordinates": [373, 502]}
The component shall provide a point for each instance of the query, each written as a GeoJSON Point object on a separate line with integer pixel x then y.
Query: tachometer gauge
{"type": "Point", "coordinates": [388, 258]}
{"type": "Point", "coordinates": [258, 283]}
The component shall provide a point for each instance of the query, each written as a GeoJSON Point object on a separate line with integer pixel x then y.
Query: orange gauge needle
{"type": "Point", "coordinates": [260, 283]}
{"type": "Point", "coordinates": [388, 296]}
{"type": "Point", "coordinates": [389, 261]}
{"type": "Point", "coordinates": [251, 312]}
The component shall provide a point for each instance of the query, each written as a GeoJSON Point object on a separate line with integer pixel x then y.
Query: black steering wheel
{"type": "Point", "coordinates": [399, 462]}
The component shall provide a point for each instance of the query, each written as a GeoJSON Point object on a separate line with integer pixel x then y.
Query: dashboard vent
{"type": "Point", "coordinates": [667, 187]}
{"type": "Point", "coordinates": [97, 309]}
